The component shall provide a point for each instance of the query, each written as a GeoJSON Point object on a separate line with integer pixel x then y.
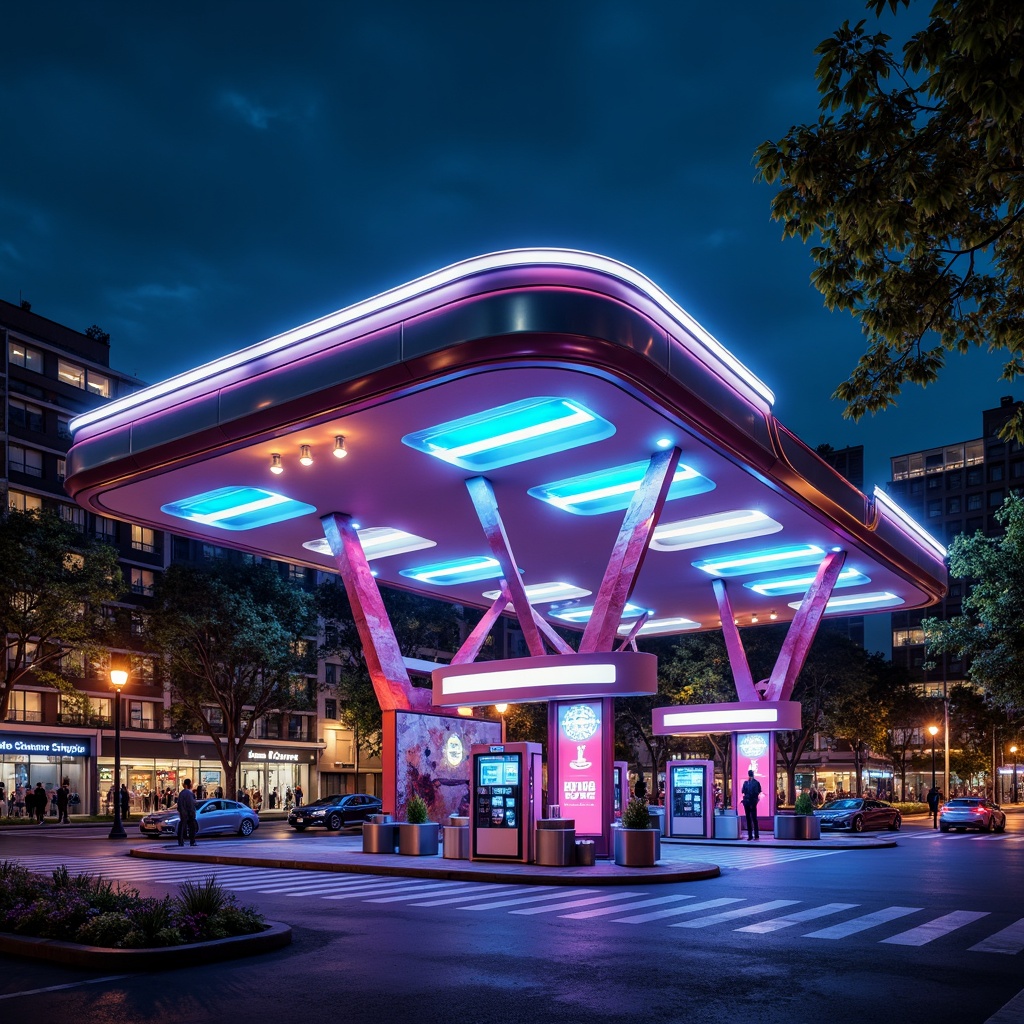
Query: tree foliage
{"type": "Point", "coordinates": [989, 632]}
{"type": "Point", "coordinates": [53, 583]}
{"type": "Point", "coordinates": [234, 638]}
{"type": "Point", "coordinates": [912, 182]}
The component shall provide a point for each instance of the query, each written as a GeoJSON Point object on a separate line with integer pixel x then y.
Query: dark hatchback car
{"type": "Point", "coordinates": [335, 812]}
{"type": "Point", "coordinates": [857, 815]}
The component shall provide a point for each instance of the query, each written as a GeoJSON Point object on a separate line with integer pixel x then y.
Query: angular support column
{"type": "Point", "coordinates": [470, 648]}
{"type": "Point", "coordinates": [628, 554]}
{"type": "Point", "coordinates": [486, 505]}
{"type": "Point", "coordinates": [388, 673]}
{"type": "Point", "coordinates": [741, 674]}
{"type": "Point", "coordinates": [804, 628]}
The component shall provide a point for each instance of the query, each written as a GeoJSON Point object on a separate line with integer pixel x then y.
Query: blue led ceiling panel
{"type": "Point", "coordinates": [511, 433]}
{"type": "Point", "coordinates": [743, 564]}
{"type": "Point", "coordinates": [458, 570]}
{"type": "Point", "coordinates": [237, 508]}
{"type": "Point", "coordinates": [799, 584]}
{"type": "Point", "coordinates": [611, 490]}
{"type": "Point", "coordinates": [577, 613]}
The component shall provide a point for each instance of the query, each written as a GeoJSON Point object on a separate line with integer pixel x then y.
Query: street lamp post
{"type": "Point", "coordinates": [118, 677]}
{"type": "Point", "coordinates": [1013, 750]}
{"type": "Point", "coordinates": [501, 709]}
{"type": "Point", "coordinates": [933, 796]}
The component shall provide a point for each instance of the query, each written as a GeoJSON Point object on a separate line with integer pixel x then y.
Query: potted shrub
{"type": "Point", "coordinates": [636, 843]}
{"type": "Point", "coordinates": [801, 824]}
{"type": "Point", "coordinates": [417, 837]}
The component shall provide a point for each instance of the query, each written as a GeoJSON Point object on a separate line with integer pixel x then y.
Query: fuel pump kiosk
{"type": "Point", "coordinates": [690, 800]}
{"type": "Point", "coordinates": [506, 800]}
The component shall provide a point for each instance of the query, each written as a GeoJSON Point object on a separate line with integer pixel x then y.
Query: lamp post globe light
{"type": "Point", "coordinates": [118, 677]}
{"type": "Point", "coordinates": [1013, 750]}
{"type": "Point", "coordinates": [933, 729]}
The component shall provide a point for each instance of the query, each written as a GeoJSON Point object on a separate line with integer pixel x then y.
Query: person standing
{"type": "Point", "coordinates": [933, 805]}
{"type": "Point", "coordinates": [39, 803]}
{"type": "Point", "coordinates": [186, 804]}
{"type": "Point", "coordinates": [125, 799]}
{"type": "Point", "coordinates": [63, 796]}
{"type": "Point", "coordinates": [750, 794]}
{"type": "Point", "coordinates": [298, 796]}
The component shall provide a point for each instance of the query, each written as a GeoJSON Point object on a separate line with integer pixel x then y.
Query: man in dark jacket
{"type": "Point", "coordinates": [186, 804]}
{"type": "Point", "coordinates": [63, 796]}
{"type": "Point", "coordinates": [40, 801]}
{"type": "Point", "coordinates": [751, 793]}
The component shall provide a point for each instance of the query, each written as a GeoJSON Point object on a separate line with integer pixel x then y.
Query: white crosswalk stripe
{"type": "Point", "coordinates": [629, 906]}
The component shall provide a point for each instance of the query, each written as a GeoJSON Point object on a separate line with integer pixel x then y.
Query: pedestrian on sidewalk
{"type": "Point", "coordinates": [750, 794]}
{"type": "Point", "coordinates": [186, 804]}
{"type": "Point", "coordinates": [63, 796]}
{"type": "Point", "coordinates": [934, 796]}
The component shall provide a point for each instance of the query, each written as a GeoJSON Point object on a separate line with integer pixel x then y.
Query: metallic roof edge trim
{"type": "Point", "coordinates": [423, 287]}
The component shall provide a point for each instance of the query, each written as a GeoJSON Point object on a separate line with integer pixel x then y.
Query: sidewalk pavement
{"type": "Point", "coordinates": [681, 860]}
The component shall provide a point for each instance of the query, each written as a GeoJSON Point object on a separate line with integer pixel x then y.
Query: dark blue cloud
{"type": "Point", "coordinates": [196, 178]}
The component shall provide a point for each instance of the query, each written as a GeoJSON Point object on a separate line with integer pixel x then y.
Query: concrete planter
{"type": "Point", "coordinates": [418, 840]}
{"type": "Point", "coordinates": [797, 826]}
{"type": "Point", "coordinates": [636, 847]}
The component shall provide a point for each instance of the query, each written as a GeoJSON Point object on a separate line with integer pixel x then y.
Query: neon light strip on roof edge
{"type": "Point", "coordinates": [505, 260]}
{"type": "Point", "coordinates": [745, 715]}
{"type": "Point", "coordinates": [906, 520]}
{"type": "Point", "coordinates": [508, 679]}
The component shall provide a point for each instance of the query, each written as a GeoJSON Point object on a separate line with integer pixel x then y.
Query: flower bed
{"type": "Point", "coordinates": [94, 912]}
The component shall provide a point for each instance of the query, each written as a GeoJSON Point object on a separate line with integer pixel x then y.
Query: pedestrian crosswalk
{"type": "Point", "coordinates": [825, 922]}
{"type": "Point", "coordinates": [974, 837]}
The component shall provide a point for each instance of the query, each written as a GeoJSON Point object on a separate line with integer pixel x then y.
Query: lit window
{"type": "Point", "coordinates": [71, 373]}
{"type": "Point", "coordinates": [143, 539]}
{"type": "Point", "coordinates": [97, 384]}
{"type": "Point", "coordinates": [142, 581]}
{"type": "Point", "coordinates": [22, 502]}
{"type": "Point", "coordinates": [25, 355]}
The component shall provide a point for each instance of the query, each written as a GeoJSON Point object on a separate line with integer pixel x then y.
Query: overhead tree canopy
{"type": "Point", "coordinates": [990, 631]}
{"type": "Point", "coordinates": [234, 637]}
{"type": "Point", "coordinates": [53, 583]}
{"type": "Point", "coordinates": [912, 183]}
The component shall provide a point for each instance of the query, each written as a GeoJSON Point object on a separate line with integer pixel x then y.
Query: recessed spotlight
{"type": "Point", "coordinates": [339, 447]}
{"type": "Point", "coordinates": [305, 455]}
{"type": "Point", "coordinates": [275, 464]}
{"type": "Point", "coordinates": [664, 442]}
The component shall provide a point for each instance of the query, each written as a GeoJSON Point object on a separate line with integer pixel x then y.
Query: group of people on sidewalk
{"type": "Point", "coordinates": [24, 801]}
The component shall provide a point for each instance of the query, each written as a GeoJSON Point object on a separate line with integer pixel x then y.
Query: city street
{"type": "Point", "coordinates": [927, 931]}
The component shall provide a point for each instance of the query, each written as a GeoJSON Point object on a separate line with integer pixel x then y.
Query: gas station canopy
{"type": "Point", "coordinates": [553, 374]}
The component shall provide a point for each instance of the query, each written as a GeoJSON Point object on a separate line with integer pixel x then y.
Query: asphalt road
{"type": "Point", "coordinates": [930, 931]}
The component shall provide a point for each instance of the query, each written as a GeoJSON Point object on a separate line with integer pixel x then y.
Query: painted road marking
{"type": "Point", "coordinates": [932, 930]}
{"type": "Point", "coordinates": [799, 917]}
{"type": "Point", "coordinates": [729, 915]}
{"type": "Point", "coordinates": [654, 901]}
{"type": "Point", "coordinates": [691, 908]}
{"type": "Point", "coordinates": [1009, 940]}
{"type": "Point", "coordinates": [555, 907]}
{"type": "Point", "coordinates": [860, 924]}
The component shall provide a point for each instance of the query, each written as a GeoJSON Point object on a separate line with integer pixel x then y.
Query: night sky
{"type": "Point", "coordinates": [194, 178]}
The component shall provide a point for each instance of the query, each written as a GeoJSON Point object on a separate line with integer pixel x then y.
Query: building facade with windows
{"type": "Point", "coordinates": [50, 374]}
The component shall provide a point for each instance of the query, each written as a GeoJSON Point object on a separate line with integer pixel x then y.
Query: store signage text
{"type": "Point", "coordinates": [271, 755]}
{"type": "Point", "coordinates": [66, 748]}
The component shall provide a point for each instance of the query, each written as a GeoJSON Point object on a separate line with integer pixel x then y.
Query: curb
{"type": "Point", "coordinates": [164, 958]}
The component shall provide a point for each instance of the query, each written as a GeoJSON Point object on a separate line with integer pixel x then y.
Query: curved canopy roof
{"type": "Point", "coordinates": [554, 374]}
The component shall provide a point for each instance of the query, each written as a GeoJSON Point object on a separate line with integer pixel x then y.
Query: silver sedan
{"type": "Point", "coordinates": [213, 817]}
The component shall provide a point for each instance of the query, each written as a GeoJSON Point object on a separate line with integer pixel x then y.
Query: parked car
{"type": "Point", "coordinates": [964, 812]}
{"type": "Point", "coordinates": [858, 815]}
{"type": "Point", "coordinates": [213, 817]}
{"type": "Point", "coordinates": [335, 812]}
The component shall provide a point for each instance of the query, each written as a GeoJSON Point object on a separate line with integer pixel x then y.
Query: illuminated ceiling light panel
{"type": "Point", "coordinates": [799, 584]}
{"type": "Point", "coordinates": [611, 490]}
{"type": "Point", "coordinates": [791, 557]}
{"type": "Point", "coordinates": [511, 433]}
{"type": "Point", "coordinates": [720, 528]}
{"type": "Point", "coordinates": [908, 521]}
{"type": "Point", "coordinates": [237, 508]}
{"type": "Point", "coordinates": [577, 614]}
{"type": "Point", "coordinates": [377, 542]}
{"type": "Point", "coordinates": [545, 593]}
{"type": "Point", "coordinates": [458, 570]}
{"type": "Point", "coordinates": [652, 626]}
{"type": "Point", "coordinates": [853, 603]}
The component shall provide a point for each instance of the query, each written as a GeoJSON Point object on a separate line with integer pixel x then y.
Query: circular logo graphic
{"type": "Point", "coordinates": [580, 722]}
{"type": "Point", "coordinates": [753, 745]}
{"type": "Point", "coordinates": [454, 751]}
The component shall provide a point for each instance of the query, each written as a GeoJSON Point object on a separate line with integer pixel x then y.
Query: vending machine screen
{"type": "Point", "coordinates": [498, 790]}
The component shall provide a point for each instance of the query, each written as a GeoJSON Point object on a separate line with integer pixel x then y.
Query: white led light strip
{"type": "Point", "coordinates": [431, 282]}
{"type": "Point", "coordinates": [740, 715]}
{"type": "Point", "coordinates": [513, 436]}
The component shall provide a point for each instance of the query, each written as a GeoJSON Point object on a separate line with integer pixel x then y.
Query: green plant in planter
{"type": "Point", "coordinates": [416, 811]}
{"type": "Point", "coordinates": [635, 814]}
{"type": "Point", "coordinates": [803, 804]}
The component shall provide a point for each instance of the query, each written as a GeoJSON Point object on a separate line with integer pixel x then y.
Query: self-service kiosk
{"type": "Point", "coordinates": [506, 800]}
{"type": "Point", "coordinates": [690, 800]}
{"type": "Point", "coordinates": [620, 787]}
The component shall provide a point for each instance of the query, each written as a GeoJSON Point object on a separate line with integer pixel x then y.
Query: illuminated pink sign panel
{"type": "Point", "coordinates": [755, 751]}
{"type": "Point", "coordinates": [581, 764]}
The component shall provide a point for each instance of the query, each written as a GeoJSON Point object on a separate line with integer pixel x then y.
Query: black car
{"type": "Point", "coordinates": [857, 815]}
{"type": "Point", "coordinates": [335, 812]}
